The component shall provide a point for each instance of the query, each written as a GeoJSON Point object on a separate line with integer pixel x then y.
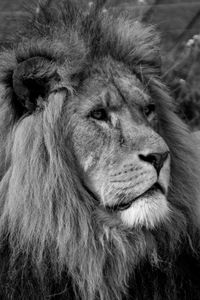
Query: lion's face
{"type": "Point", "coordinates": [125, 162]}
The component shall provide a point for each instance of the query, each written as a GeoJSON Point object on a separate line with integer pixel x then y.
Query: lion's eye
{"type": "Point", "coordinates": [149, 109]}
{"type": "Point", "coordinates": [99, 114]}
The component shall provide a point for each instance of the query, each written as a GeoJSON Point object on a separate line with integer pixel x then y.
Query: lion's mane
{"type": "Point", "coordinates": [55, 242]}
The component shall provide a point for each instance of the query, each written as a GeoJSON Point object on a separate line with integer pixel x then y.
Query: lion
{"type": "Point", "coordinates": [99, 178]}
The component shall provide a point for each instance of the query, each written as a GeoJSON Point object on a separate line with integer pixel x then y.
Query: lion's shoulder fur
{"type": "Point", "coordinates": [51, 248]}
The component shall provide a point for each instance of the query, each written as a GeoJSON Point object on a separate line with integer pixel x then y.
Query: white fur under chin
{"type": "Point", "coordinates": [146, 211]}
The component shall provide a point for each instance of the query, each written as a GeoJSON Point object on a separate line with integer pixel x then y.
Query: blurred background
{"type": "Point", "coordinates": [178, 22]}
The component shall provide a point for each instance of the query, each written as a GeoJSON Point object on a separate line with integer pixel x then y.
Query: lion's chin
{"type": "Point", "coordinates": [148, 211]}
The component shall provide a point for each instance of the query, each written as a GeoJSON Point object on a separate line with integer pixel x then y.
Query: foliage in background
{"type": "Point", "coordinates": [182, 73]}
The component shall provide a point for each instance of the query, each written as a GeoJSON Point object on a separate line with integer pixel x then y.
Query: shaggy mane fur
{"type": "Point", "coordinates": [55, 242]}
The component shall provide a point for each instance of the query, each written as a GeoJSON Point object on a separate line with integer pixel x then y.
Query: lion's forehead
{"type": "Point", "coordinates": [113, 87]}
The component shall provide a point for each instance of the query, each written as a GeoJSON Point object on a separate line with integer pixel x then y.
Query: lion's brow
{"type": "Point", "coordinates": [131, 94]}
{"type": "Point", "coordinates": [109, 99]}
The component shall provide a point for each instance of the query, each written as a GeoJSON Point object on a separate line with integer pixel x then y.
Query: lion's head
{"type": "Point", "coordinates": [97, 172]}
{"type": "Point", "coordinates": [123, 159]}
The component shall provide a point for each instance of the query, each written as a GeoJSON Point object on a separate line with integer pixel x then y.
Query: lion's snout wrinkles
{"type": "Point", "coordinates": [132, 178]}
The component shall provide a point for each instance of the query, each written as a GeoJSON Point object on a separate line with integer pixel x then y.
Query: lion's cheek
{"type": "Point", "coordinates": [147, 211]}
{"type": "Point", "coordinates": [87, 149]}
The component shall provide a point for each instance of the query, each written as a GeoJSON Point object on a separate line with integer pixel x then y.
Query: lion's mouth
{"type": "Point", "coordinates": [122, 206]}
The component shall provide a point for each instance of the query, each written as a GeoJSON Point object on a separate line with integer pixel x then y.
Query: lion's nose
{"type": "Point", "coordinates": [156, 159]}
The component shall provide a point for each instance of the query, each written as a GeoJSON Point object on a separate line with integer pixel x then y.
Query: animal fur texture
{"type": "Point", "coordinates": [59, 236]}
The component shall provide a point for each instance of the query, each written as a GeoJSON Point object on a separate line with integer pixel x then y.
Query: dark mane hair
{"type": "Point", "coordinates": [54, 241]}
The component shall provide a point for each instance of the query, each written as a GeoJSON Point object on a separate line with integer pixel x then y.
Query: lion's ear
{"type": "Point", "coordinates": [33, 80]}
